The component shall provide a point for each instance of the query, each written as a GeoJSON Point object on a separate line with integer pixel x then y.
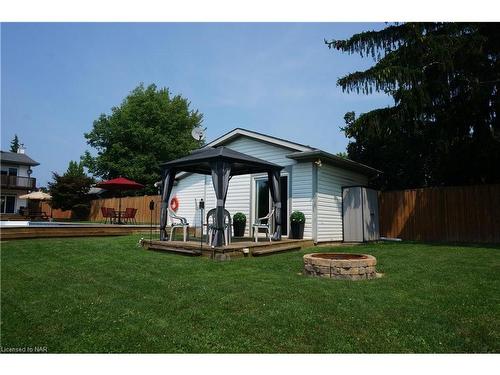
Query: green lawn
{"type": "Point", "coordinates": [108, 295]}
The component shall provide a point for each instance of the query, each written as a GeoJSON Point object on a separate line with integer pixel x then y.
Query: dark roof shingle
{"type": "Point", "coordinates": [15, 158]}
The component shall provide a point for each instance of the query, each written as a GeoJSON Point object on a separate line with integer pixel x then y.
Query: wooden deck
{"type": "Point", "coordinates": [238, 248]}
{"type": "Point", "coordinates": [75, 230]}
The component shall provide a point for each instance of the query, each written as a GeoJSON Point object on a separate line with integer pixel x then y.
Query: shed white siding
{"type": "Point", "coordinates": [240, 192]}
{"type": "Point", "coordinates": [262, 150]}
{"type": "Point", "coordinates": [189, 191]}
{"type": "Point", "coordinates": [302, 194]}
{"type": "Point", "coordinates": [329, 200]}
{"type": "Point", "coordinates": [239, 195]}
{"type": "Point", "coordinates": [314, 190]}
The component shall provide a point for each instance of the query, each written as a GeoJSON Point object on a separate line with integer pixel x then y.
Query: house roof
{"type": "Point", "coordinates": [238, 132]}
{"type": "Point", "coordinates": [300, 152]}
{"type": "Point", "coordinates": [200, 161]}
{"type": "Point", "coordinates": [334, 160]}
{"type": "Point", "coordinates": [16, 158]}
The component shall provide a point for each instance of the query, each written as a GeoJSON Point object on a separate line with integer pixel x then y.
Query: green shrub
{"type": "Point", "coordinates": [80, 211]}
{"type": "Point", "coordinates": [239, 217]}
{"type": "Point", "coordinates": [297, 217]}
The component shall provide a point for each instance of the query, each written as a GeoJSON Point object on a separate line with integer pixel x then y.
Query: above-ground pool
{"type": "Point", "coordinates": [12, 230]}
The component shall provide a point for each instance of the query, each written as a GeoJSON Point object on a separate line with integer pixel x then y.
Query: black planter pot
{"type": "Point", "coordinates": [297, 230]}
{"type": "Point", "coordinates": [239, 229]}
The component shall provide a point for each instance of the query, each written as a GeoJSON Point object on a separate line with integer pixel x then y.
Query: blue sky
{"type": "Point", "coordinates": [274, 78]}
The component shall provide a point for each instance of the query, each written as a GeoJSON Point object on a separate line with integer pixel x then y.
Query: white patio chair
{"type": "Point", "coordinates": [181, 223]}
{"type": "Point", "coordinates": [260, 225]}
{"type": "Point", "coordinates": [211, 225]}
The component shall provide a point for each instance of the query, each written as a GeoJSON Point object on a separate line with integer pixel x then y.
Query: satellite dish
{"type": "Point", "coordinates": [198, 133]}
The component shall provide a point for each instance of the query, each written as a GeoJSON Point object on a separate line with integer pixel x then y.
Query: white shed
{"type": "Point", "coordinates": [311, 182]}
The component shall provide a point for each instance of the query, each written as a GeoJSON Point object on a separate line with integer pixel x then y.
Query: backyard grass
{"type": "Point", "coordinates": [108, 295]}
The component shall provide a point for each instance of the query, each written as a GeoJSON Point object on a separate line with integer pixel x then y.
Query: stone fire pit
{"type": "Point", "coordinates": [341, 266]}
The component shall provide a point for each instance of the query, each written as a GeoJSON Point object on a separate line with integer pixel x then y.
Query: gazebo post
{"type": "Point", "coordinates": [168, 184]}
{"type": "Point", "coordinates": [221, 171]}
{"type": "Point", "coordinates": [274, 183]}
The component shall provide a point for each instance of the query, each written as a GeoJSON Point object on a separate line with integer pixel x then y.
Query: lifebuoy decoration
{"type": "Point", "coordinates": [174, 204]}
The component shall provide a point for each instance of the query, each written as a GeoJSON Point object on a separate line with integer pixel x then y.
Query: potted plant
{"type": "Point", "coordinates": [297, 221]}
{"type": "Point", "coordinates": [239, 224]}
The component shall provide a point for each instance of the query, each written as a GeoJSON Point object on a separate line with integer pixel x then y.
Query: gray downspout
{"type": "Point", "coordinates": [315, 203]}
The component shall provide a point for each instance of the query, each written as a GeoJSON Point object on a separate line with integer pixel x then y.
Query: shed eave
{"type": "Point", "coordinates": [334, 160]}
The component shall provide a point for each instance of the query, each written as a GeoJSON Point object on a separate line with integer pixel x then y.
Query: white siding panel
{"type": "Point", "coordinates": [262, 150]}
{"type": "Point", "coordinates": [238, 197]}
{"type": "Point", "coordinates": [329, 200]}
{"type": "Point", "coordinates": [302, 194]}
{"type": "Point", "coordinates": [239, 192]}
{"type": "Point", "coordinates": [189, 191]}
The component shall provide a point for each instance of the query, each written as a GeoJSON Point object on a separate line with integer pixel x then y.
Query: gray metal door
{"type": "Point", "coordinates": [352, 214]}
{"type": "Point", "coordinates": [370, 215]}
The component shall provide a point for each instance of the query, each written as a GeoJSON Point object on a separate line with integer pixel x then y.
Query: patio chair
{"type": "Point", "coordinates": [181, 223]}
{"type": "Point", "coordinates": [129, 215]}
{"type": "Point", "coordinates": [211, 218]}
{"type": "Point", "coordinates": [38, 215]}
{"type": "Point", "coordinates": [108, 213]}
{"type": "Point", "coordinates": [260, 225]}
{"type": "Point", "coordinates": [24, 212]}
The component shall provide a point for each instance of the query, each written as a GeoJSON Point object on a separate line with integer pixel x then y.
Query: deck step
{"type": "Point", "coordinates": [270, 251]}
{"type": "Point", "coordinates": [175, 250]}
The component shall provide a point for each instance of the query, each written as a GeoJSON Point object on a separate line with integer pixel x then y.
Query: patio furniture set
{"type": "Point", "coordinates": [33, 215]}
{"type": "Point", "coordinates": [210, 225]}
{"type": "Point", "coordinates": [115, 216]}
{"type": "Point", "coordinates": [118, 216]}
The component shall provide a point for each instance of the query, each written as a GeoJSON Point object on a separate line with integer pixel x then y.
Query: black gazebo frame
{"type": "Point", "coordinates": [221, 163]}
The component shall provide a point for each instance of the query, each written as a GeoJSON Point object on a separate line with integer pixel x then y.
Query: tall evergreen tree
{"type": "Point", "coordinates": [14, 144]}
{"type": "Point", "coordinates": [443, 128]}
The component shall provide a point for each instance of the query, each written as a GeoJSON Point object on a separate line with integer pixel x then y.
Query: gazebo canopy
{"type": "Point", "coordinates": [200, 161]}
{"type": "Point", "coordinates": [221, 163]}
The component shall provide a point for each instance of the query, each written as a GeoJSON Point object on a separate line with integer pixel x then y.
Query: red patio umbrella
{"type": "Point", "coordinates": [120, 183]}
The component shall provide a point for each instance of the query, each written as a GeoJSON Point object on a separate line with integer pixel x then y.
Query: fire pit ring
{"type": "Point", "coordinates": [340, 266]}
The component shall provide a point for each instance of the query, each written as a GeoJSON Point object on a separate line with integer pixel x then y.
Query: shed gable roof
{"type": "Point", "coordinates": [298, 152]}
{"type": "Point", "coordinates": [239, 132]}
{"type": "Point", "coordinates": [335, 161]}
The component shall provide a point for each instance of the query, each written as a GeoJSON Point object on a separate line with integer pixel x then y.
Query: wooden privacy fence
{"type": "Point", "coordinates": [56, 213]}
{"type": "Point", "coordinates": [143, 214]}
{"type": "Point", "coordinates": [461, 214]}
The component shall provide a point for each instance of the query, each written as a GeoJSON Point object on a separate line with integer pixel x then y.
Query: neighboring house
{"type": "Point", "coordinates": [15, 179]}
{"type": "Point", "coordinates": [311, 182]}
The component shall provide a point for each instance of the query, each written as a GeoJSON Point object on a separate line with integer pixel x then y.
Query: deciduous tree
{"type": "Point", "coordinates": [149, 127]}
